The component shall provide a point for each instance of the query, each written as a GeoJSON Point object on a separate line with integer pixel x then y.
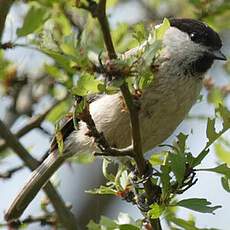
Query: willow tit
{"type": "Point", "coordinates": [189, 49]}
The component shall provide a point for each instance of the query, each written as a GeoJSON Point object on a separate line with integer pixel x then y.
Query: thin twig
{"type": "Point", "coordinates": [47, 219]}
{"type": "Point", "coordinates": [9, 173]}
{"type": "Point", "coordinates": [102, 143]}
{"type": "Point", "coordinates": [33, 123]}
{"type": "Point", "coordinates": [64, 214]}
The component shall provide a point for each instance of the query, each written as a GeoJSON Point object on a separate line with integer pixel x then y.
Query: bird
{"type": "Point", "coordinates": [189, 50]}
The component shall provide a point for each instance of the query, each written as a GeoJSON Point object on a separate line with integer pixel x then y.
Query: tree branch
{"type": "Point", "coordinates": [46, 219]}
{"type": "Point", "coordinates": [64, 214]}
{"type": "Point", "coordinates": [8, 174]}
{"type": "Point", "coordinates": [152, 191]}
{"type": "Point", "coordinates": [34, 122]}
{"type": "Point", "coordinates": [102, 143]}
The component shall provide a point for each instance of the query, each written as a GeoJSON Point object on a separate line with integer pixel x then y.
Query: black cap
{"type": "Point", "coordinates": [198, 31]}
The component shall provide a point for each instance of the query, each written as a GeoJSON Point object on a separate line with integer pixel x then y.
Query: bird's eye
{"type": "Point", "coordinates": [194, 36]}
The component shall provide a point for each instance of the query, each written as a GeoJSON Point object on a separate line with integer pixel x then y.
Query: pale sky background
{"type": "Point", "coordinates": [72, 187]}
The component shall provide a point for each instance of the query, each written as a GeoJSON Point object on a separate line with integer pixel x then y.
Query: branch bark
{"type": "Point", "coordinates": [152, 191]}
{"type": "Point", "coordinates": [33, 123]}
{"type": "Point", "coordinates": [64, 214]}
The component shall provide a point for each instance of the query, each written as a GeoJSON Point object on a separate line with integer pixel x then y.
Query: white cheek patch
{"type": "Point", "coordinates": [179, 45]}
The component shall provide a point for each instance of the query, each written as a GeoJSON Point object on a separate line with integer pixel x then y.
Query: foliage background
{"type": "Point", "coordinates": [29, 64]}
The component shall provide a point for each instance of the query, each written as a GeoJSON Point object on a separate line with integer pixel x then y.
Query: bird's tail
{"type": "Point", "coordinates": [38, 179]}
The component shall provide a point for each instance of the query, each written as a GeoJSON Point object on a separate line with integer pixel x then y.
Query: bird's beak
{"type": "Point", "coordinates": [218, 55]}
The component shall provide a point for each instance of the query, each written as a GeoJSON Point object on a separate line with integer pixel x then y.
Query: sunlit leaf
{"type": "Point", "coordinates": [161, 29]}
{"type": "Point", "coordinates": [58, 111]}
{"type": "Point", "coordinates": [85, 85]}
{"type": "Point", "coordinates": [84, 158]}
{"type": "Point", "coordinates": [155, 211]}
{"type": "Point", "coordinates": [222, 153]}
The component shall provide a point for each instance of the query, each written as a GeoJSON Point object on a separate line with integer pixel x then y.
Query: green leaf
{"type": "Point", "coordinates": [102, 190]}
{"type": "Point", "coordinates": [157, 158]}
{"type": "Point", "coordinates": [225, 114]}
{"type": "Point", "coordinates": [165, 178]}
{"type": "Point", "coordinates": [221, 169]}
{"type": "Point", "coordinates": [211, 131]}
{"type": "Point", "coordinates": [62, 60]}
{"type": "Point", "coordinates": [182, 141]}
{"type": "Point", "coordinates": [140, 33]}
{"type": "Point", "coordinates": [105, 170]}
{"type": "Point", "coordinates": [215, 97]}
{"type": "Point", "coordinates": [177, 163]}
{"type": "Point", "coordinates": [187, 224]}
{"type": "Point", "coordinates": [225, 183]}
{"type": "Point", "coordinates": [149, 54]}
{"type": "Point", "coordinates": [200, 157]}
{"type": "Point", "coordinates": [85, 85]}
{"type": "Point", "coordinates": [109, 223]}
{"type": "Point", "coordinates": [161, 29]}
{"type": "Point", "coordinates": [34, 18]}
{"type": "Point", "coordinates": [222, 153]}
{"type": "Point", "coordinates": [199, 205]}
{"type": "Point", "coordinates": [128, 227]}
{"type": "Point", "coordinates": [55, 72]}
{"type": "Point", "coordinates": [93, 226]}
{"type": "Point", "coordinates": [58, 111]}
{"type": "Point", "coordinates": [155, 211]}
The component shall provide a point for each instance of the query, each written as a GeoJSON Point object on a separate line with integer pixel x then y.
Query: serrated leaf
{"type": "Point", "coordinates": [211, 131]}
{"type": "Point", "coordinates": [197, 160]}
{"type": "Point", "coordinates": [102, 190]}
{"type": "Point", "coordinates": [155, 211]}
{"type": "Point", "coordinates": [225, 114]}
{"type": "Point", "coordinates": [199, 205]}
{"type": "Point", "coordinates": [221, 169]}
{"type": "Point", "coordinates": [182, 141]}
{"type": "Point", "coordinates": [177, 163]}
{"type": "Point", "coordinates": [34, 18]}
{"type": "Point", "coordinates": [165, 178]}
